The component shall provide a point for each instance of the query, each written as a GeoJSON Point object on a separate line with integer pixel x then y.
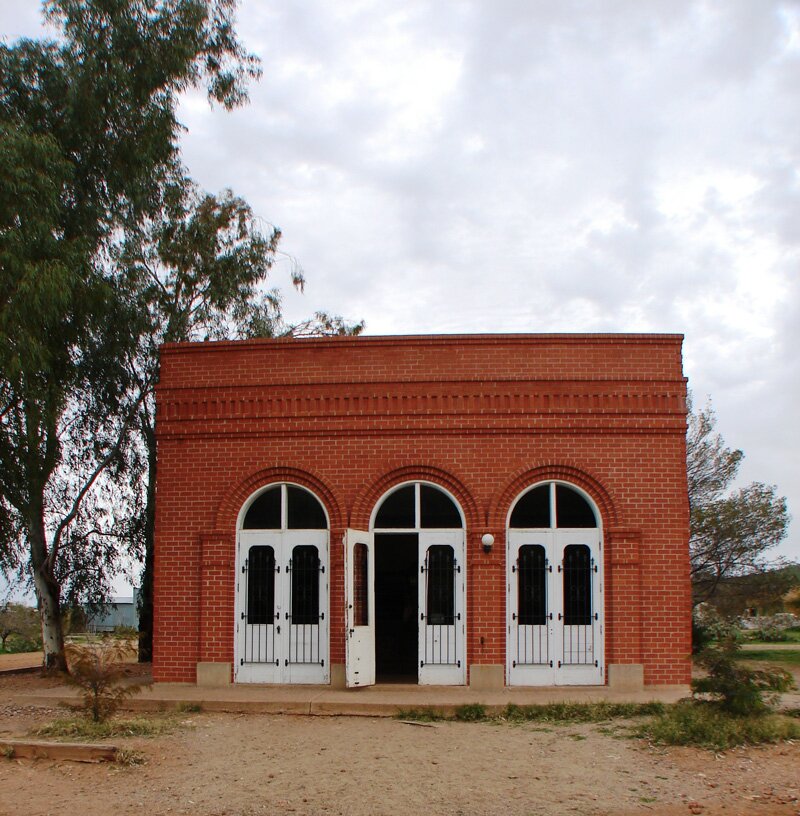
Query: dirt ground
{"type": "Point", "coordinates": [243, 765]}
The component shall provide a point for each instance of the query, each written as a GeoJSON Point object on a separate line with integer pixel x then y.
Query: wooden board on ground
{"type": "Point", "coordinates": [74, 751]}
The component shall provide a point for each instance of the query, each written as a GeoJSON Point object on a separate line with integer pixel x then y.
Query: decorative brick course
{"type": "Point", "coordinates": [483, 416]}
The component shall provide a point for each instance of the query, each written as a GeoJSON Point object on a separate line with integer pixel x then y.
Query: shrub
{"type": "Point", "coordinates": [772, 634]}
{"type": "Point", "coordinates": [707, 626]}
{"type": "Point", "coordinates": [706, 725]}
{"type": "Point", "coordinates": [98, 669]}
{"type": "Point", "coordinates": [735, 688]}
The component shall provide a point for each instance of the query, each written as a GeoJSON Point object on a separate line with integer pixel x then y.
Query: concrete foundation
{"type": "Point", "coordinates": [213, 674]}
{"type": "Point", "coordinates": [487, 678]}
{"type": "Point", "coordinates": [626, 676]}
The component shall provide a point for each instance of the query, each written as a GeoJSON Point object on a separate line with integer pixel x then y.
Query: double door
{"type": "Point", "coordinates": [438, 617]}
{"type": "Point", "coordinates": [554, 609]}
{"type": "Point", "coordinates": [282, 607]}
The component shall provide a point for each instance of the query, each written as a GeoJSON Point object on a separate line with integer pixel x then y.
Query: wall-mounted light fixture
{"type": "Point", "coordinates": [487, 541]}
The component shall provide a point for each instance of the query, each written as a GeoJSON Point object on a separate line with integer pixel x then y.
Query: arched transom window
{"type": "Point", "coordinates": [552, 505]}
{"type": "Point", "coordinates": [418, 506]}
{"type": "Point", "coordinates": [285, 507]}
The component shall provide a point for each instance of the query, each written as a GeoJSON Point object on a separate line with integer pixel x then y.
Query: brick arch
{"type": "Point", "coordinates": [525, 477]}
{"type": "Point", "coordinates": [368, 497]}
{"type": "Point", "coordinates": [232, 502]}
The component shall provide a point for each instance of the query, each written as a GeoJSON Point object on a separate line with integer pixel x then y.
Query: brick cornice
{"type": "Point", "coordinates": [509, 399]}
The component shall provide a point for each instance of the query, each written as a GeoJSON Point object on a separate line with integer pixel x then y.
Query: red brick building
{"type": "Point", "coordinates": [489, 509]}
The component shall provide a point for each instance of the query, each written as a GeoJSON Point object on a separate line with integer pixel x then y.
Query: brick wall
{"type": "Point", "coordinates": [482, 416]}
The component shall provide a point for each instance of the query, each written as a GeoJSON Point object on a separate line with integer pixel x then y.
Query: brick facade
{"type": "Point", "coordinates": [484, 417]}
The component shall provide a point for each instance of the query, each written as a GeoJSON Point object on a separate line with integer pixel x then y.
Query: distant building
{"type": "Point", "coordinates": [119, 612]}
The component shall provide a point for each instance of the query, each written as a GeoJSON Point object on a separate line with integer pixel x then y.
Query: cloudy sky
{"type": "Point", "coordinates": [519, 166]}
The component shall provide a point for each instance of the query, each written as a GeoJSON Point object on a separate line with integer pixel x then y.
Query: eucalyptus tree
{"type": "Point", "coordinates": [731, 530]}
{"type": "Point", "coordinates": [199, 269]}
{"type": "Point", "coordinates": [89, 139]}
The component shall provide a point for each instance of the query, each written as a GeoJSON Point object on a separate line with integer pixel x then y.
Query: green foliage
{"type": "Point", "coordinates": [547, 712]}
{"type": "Point", "coordinates": [20, 628]}
{"type": "Point", "coordinates": [737, 689]}
{"type": "Point", "coordinates": [98, 670]}
{"type": "Point", "coordinates": [471, 712]}
{"type": "Point", "coordinates": [88, 142]}
{"type": "Point", "coordinates": [708, 726]}
{"type": "Point", "coordinates": [579, 712]}
{"type": "Point", "coordinates": [731, 531]}
{"type": "Point", "coordinates": [80, 728]}
{"type": "Point", "coordinates": [771, 634]}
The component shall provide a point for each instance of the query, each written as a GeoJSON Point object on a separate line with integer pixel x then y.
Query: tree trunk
{"type": "Point", "coordinates": [48, 598]}
{"type": "Point", "coordinates": [146, 591]}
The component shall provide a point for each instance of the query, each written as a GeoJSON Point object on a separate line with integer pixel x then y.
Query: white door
{"type": "Point", "coordinates": [282, 607]}
{"type": "Point", "coordinates": [554, 610]}
{"type": "Point", "coordinates": [578, 599]}
{"type": "Point", "coordinates": [359, 560]}
{"type": "Point", "coordinates": [531, 629]}
{"type": "Point", "coordinates": [442, 592]}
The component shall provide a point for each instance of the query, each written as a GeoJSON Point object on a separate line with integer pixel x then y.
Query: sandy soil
{"type": "Point", "coordinates": [243, 765]}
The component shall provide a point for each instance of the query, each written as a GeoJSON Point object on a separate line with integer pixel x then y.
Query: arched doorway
{"type": "Point", "coordinates": [406, 583]}
{"type": "Point", "coordinates": [555, 585]}
{"type": "Point", "coordinates": [282, 588]}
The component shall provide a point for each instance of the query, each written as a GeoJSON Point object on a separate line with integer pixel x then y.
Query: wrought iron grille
{"type": "Point", "coordinates": [440, 631]}
{"type": "Point", "coordinates": [533, 636]}
{"type": "Point", "coordinates": [304, 616]}
{"type": "Point", "coordinates": [259, 613]}
{"type": "Point", "coordinates": [578, 615]}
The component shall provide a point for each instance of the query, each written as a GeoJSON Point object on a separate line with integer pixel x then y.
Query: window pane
{"type": "Point", "coordinates": [265, 511]}
{"type": "Point", "coordinates": [437, 508]}
{"type": "Point", "coordinates": [577, 585]}
{"type": "Point", "coordinates": [397, 510]}
{"type": "Point", "coordinates": [533, 509]}
{"type": "Point", "coordinates": [305, 568]}
{"type": "Point", "coordinates": [360, 584]}
{"type": "Point", "coordinates": [441, 585]}
{"type": "Point", "coordinates": [532, 585]}
{"type": "Point", "coordinates": [261, 585]}
{"type": "Point", "coordinates": [572, 510]}
{"type": "Point", "coordinates": [305, 511]}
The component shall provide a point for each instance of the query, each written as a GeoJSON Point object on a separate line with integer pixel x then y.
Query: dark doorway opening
{"type": "Point", "coordinates": [396, 607]}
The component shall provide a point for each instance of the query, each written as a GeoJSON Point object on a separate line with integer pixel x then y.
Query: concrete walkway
{"type": "Point", "coordinates": [374, 701]}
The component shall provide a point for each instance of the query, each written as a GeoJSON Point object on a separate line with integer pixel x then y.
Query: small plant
{"type": "Point", "coordinates": [472, 712]}
{"type": "Point", "coordinates": [129, 758]}
{"type": "Point", "coordinates": [98, 670]}
{"type": "Point", "coordinates": [738, 689]}
{"type": "Point", "coordinates": [188, 708]}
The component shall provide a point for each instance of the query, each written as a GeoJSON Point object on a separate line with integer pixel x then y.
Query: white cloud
{"type": "Point", "coordinates": [517, 166]}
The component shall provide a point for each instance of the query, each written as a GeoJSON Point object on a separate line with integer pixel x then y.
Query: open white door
{"type": "Point", "coordinates": [359, 561]}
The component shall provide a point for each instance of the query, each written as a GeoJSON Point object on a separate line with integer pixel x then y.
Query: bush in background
{"type": "Point", "coordinates": [735, 688]}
